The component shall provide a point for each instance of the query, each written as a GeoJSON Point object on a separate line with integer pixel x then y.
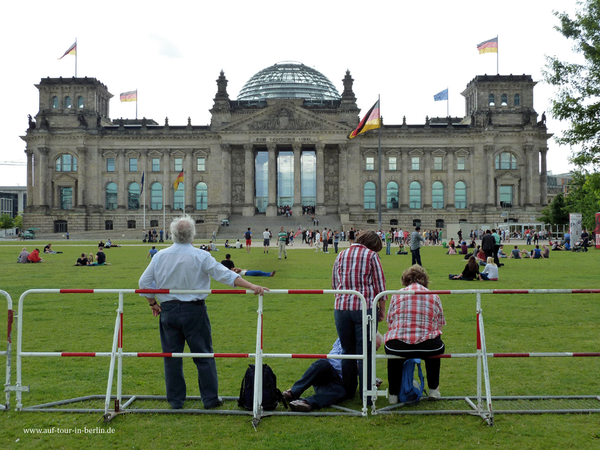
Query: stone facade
{"type": "Point", "coordinates": [82, 165]}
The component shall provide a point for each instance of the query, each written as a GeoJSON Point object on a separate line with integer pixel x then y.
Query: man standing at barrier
{"type": "Point", "coordinates": [183, 317]}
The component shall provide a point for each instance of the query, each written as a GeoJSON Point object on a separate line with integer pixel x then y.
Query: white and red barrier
{"type": "Point", "coordinates": [117, 354]}
{"type": "Point", "coordinates": [483, 407]}
{"type": "Point", "coordinates": [8, 352]}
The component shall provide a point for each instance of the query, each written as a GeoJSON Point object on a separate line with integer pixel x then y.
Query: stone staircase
{"type": "Point", "coordinates": [239, 224]}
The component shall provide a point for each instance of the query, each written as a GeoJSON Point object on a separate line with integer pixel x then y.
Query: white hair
{"type": "Point", "coordinates": [183, 230]}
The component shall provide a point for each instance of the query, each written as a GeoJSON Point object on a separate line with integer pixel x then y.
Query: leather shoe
{"type": "Point", "coordinates": [300, 405]}
{"type": "Point", "coordinates": [288, 395]}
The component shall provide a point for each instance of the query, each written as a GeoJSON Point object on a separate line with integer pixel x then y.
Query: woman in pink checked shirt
{"type": "Point", "coordinates": [415, 323]}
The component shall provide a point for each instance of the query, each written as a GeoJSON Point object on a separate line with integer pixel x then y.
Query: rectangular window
{"type": "Point", "coordinates": [155, 164]}
{"type": "Point", "coordinates": [415, 163]}
{"type": "Point", "coordinates": [133, 164]}
{"type": "Point", "coordinates": [461, 163]}
{"type": "Point", "coordinates": [438, 163]}
{"type": "Point", "coordinates": [506, 196]}
{"type": "Point", "coordinates": [370, 163]}
{"type": "Point", "coordinates": [110, 164]}
{"type": "Point", "coordinates": [201, 164]}
{"type": "Point", "coordinates": [178, 164]}
{"type": "Point", "coordinates": [392, 164]}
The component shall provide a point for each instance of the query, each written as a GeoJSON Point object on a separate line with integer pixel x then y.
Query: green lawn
{"type": "Point", "coordinates": [299, 324]}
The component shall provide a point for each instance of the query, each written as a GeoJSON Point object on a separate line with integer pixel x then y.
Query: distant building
{"type": "Point", "coordinates": [559, 184]}
{"type": "Point", "coordinates": [13, 200]}
{"type": "Point", "coordinates": [283, 142]}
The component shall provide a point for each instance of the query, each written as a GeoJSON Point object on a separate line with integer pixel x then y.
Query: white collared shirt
{"type": "Point", "coordinates": [182, 266]}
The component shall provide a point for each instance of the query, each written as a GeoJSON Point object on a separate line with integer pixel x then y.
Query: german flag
{"type": "Point", "coordinates": [489, 46]}
{"type": "Point", "coordinates": [72, 51]}
{"type": "Point", "coordinates": [178, 180]}
{"type": "Point", "coordinates": [129, 96]}
{"type": "Point", "coordinates": [371, 121]}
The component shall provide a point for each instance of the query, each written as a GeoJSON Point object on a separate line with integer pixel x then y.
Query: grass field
{"type": "Point", "coordinates": [299, 324]}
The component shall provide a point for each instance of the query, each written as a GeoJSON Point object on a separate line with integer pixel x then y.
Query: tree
{"type": "Point", "coordinates": [578, 96]}
{"type": "Point", "coordinates": [18, 223]}
{"type": "Point", "coordinates": [6, 222]}
{"type": "Point", "coordinates": [559, 215]}
{"type": "Point", "coordinates": [584, 197]}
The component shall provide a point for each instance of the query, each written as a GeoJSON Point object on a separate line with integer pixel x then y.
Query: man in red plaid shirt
{"type": "Point", "coordinates": [415, 323]}
{"type": "Point", "coordinates": [357, 268]}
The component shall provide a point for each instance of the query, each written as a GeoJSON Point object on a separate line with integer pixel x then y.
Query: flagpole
{"type": "Point", "coordinates": [76, 51]}
{"type": "Point", "coordinates": [136, 103]}
{"type": "Point", "coordinates": [448, 102]}
{"type": "Point", "coordinates": [379, 162]}
{"type": "Point", "coordinates": [164, 207]}
{"type": "Point", "coordinates": [497, 56]}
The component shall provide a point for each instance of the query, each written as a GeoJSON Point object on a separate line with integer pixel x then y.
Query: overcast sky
{"type": "Point", "coordinates": [172, 53]}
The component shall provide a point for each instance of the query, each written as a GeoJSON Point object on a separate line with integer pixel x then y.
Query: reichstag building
{"type": "Point", "coordinates": [283, 143]}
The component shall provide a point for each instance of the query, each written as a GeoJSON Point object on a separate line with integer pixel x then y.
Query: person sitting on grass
{"type": "Point", "coordinates": [490, 272]}
{"type": "Point", "coordinates": [34, 256]}
{"type": "Point", "coordinates": [100, 258]}
{"type": "Point", "coordinates": [82, 261]}
{"type": "Point", "coordinates": [325, 376]}
{"type": "Point", "coordinates": [23, 256]}
{"type": "Point", "coordinates": [546, 251]}
{"type": "Point", "coordinates": [470, 272]}
{"type": "Point", "coordinates": [463, 248]}
{"type": "Point", "coordinates": [480, 256]}
{"type": "Point", "coordinates": [227, 262]}
{"type": "Point", "coordinates": [501, 253]}
{"type": "Point", "coordinates": [536, 253]}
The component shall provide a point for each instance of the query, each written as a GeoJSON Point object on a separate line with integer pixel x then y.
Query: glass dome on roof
{"type": "Point", "coordinates": [289, 79]}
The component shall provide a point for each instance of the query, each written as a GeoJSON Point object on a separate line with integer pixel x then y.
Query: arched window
{"type": "Point", "coordinates": [201, 196]}
{"type": "Point", "coordinates": [80, 102]}
{"type": "Point", "coordinates": [133, 197]}
{"type": "Point", "coordinates": [111, 196]}
{"type": "Point", "coordinates": [392, 195]}
{"type": "Point", "coordinates": [68, 103]}
{"type": "Point", "coordinates": [66, 163]}
{"type": "Point", "coordinates": [54, 102]}
{"type": "Point", "coordinates": [414, 195]}
{"type": "Point", "coordinates": [491, 100]}
{"type": "Point", "coordinates": [460, 195]}
{"type": "Point", "coordinates": [178, 200]}
{"type": "Point", "coordinates": [504, 100]}
{"type": "Point", "coordinates": [370, 195]}
{"type": "Point", "coordinates": [506, 161]}
{"type": "Point", "coordinates": [437, 195]}
{"type": "Point", "coordinates": [517, 100]}
{"type": "Point", "coordinates": [156, 196]}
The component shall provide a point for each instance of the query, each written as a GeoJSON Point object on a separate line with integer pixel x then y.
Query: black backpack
{"type": "Point", "coordinates": [271, 396]}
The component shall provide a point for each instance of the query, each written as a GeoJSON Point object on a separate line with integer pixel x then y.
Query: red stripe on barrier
{"type": "Point", "coordinates": [76, 291]}
{"type": "Point", "coordinates": [232, 355]}
{"type": "Point", "coordinates": [10, 322]}
{"type": "Point", "coordinates": [152, 291]}
{"type": "Point", "coordinates": [586, 354]}
{"type": "Point", "coordinates": [78, 354]}
{"type": "Point", "coordinates": [155, 355]}
{"type": "Point", "coordinates": [305, 291]}
{"type": "Point", "coordinates": [437, 292]}
{"type": "Point", "coordinates": [511, 355]}
{"type": "Point", "coordinates": [585, 291]}
{"type": "Point", "coordinates": [308, 356]}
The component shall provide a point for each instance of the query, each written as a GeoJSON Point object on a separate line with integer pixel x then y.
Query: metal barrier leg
{"type": "Point", "coordinates": [8, 353]}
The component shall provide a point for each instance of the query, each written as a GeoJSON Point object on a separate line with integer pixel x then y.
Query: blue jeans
{"type": "Point", "coordinates": [349, 327]}
{"type": "Point", "coordinates": [388, 248]}
{"type": "Point", "coordinates": [328, 386]}
{"type": "Point", "coordinates": [182, 322]}
{"type": "Point", "coordinates": [257, 273]}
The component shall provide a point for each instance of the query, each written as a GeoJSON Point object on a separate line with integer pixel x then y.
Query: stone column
{"type": "Point", "coordinates": [483, 176]}
{"type": "Point", "coordinates": [44, 179]}
{"type": "Point", "coordinates": [320, 207]}
{"type": "Point", "coordinates": [144, 189]}
{"type": "Point", "coordinates": [426, 192]}
{"type": "Point", "coordinates": [272, 204]}
{"type": "Point", "coordinates": [189, 202]}
{"type": "Point", "coordinates": [249, 180]}
{"type": "Point", "coordinates": [405, 181]}
{"type": "Point", "coordinates": [167, 182]}
{"type": "Point", "coordinates": [121, 188]}
{"type": "Point", "coordinates": [343, 177]}
{"type": "Point", "coordinates": [30, 180]}
{"type": "Point", "coordinates": [81, 171]}
{"type": "Point", "coordinates": [531, 172]}
{"type": "Point", "coordinates": [544, 178]}
{"type": "Point", "coordinates": [297, 206]}
{"type": "Point", "coordinates": [450, 170]}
